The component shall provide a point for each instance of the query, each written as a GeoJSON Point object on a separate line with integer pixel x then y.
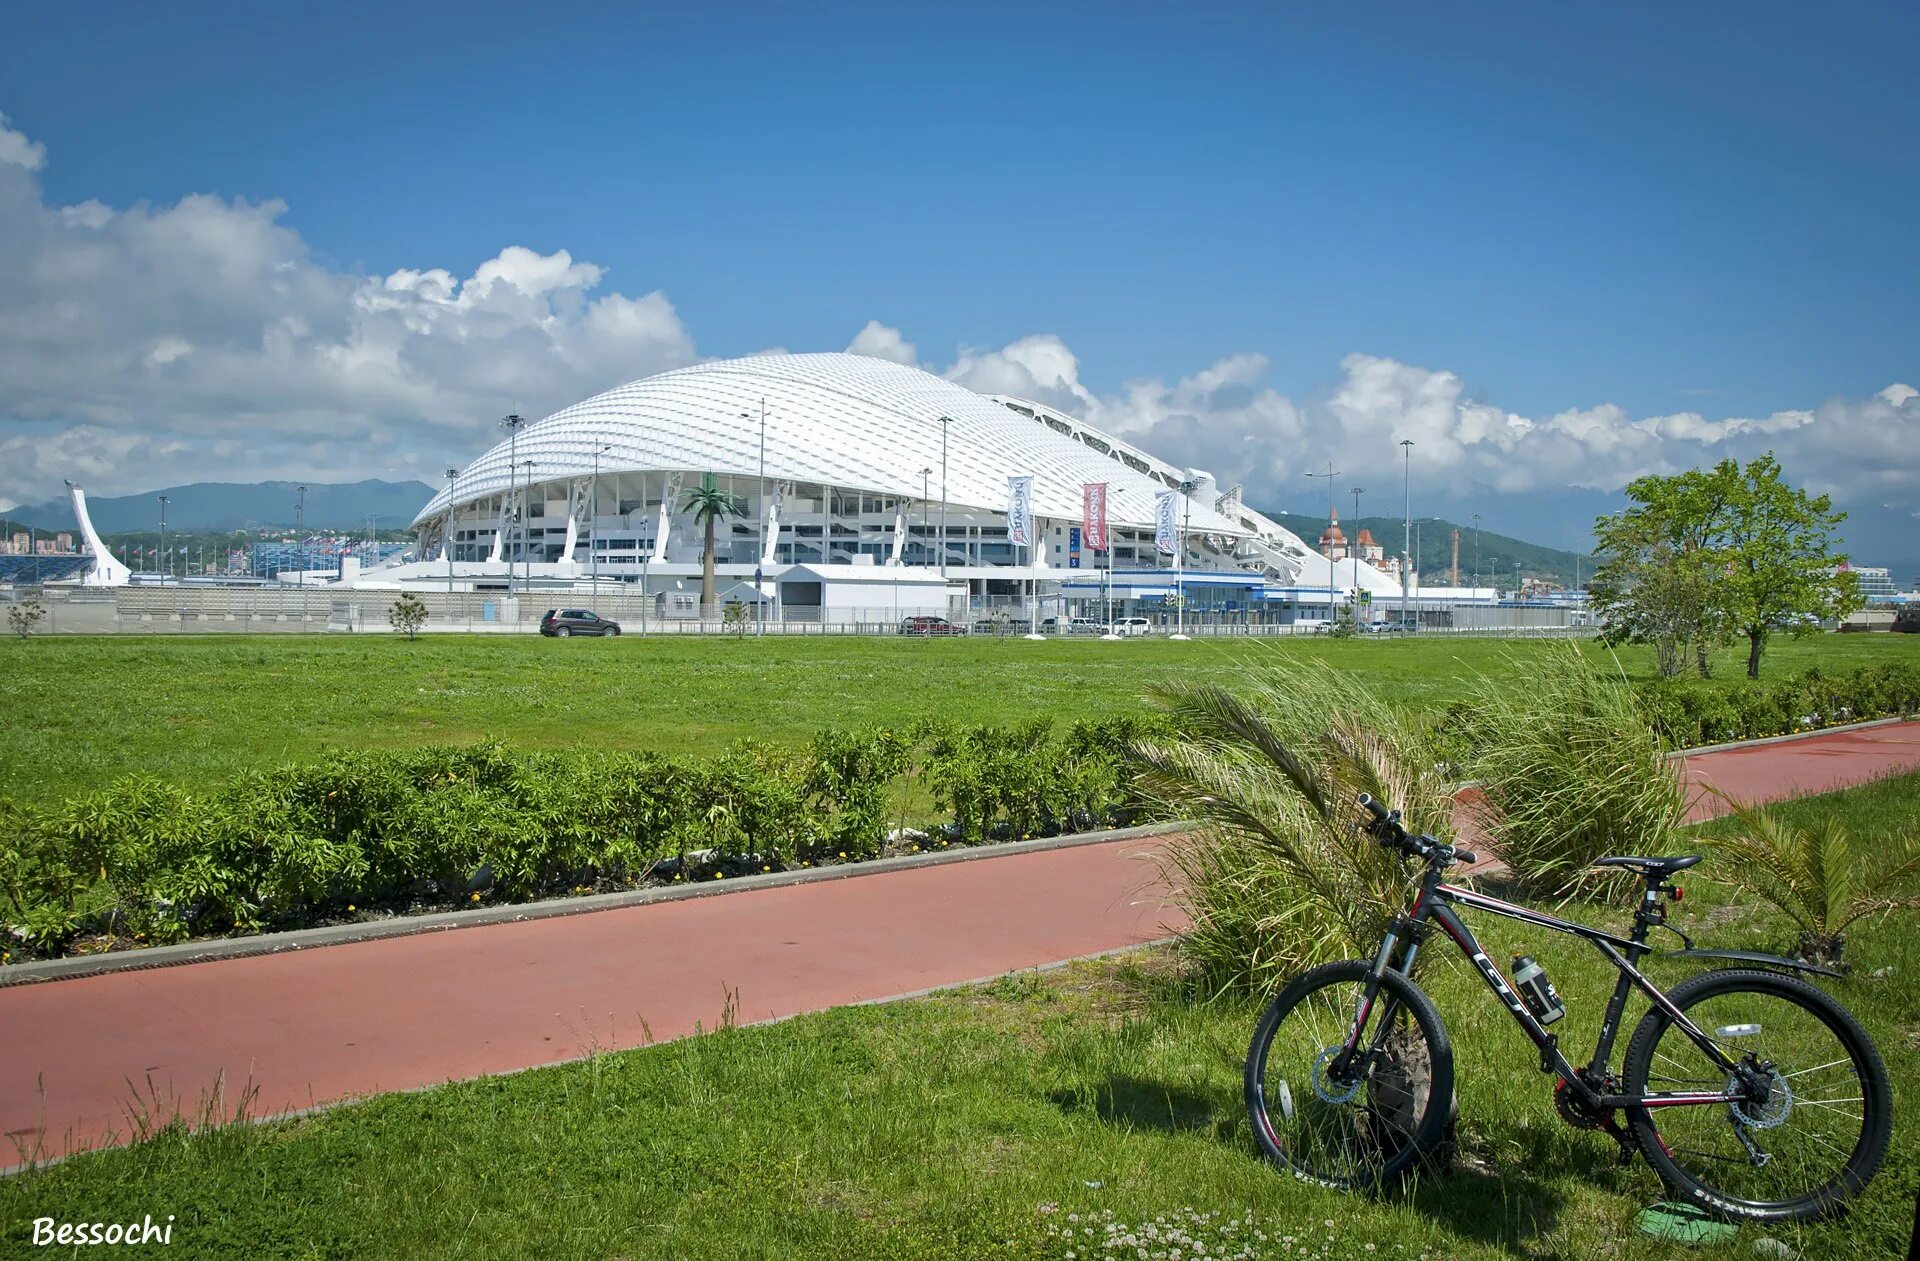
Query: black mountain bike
{"type": "Point", "coordinates": [1753, 1094]}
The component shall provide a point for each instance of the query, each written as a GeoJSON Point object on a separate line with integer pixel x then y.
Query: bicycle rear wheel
{"type": "Point", "coordinates": [1814, 1126]}
{"type": "Point", "coordinates": [1349, 1122]}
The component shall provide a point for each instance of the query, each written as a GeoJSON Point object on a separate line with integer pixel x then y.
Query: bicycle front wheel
{"type": "Point", "coordinates": [1343, 1092]}
{"type": "Point", "coordinates": [1816, 1110]}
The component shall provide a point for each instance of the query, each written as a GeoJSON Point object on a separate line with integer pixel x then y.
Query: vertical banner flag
{"type": "Point", "coordinates": [1093, 500]}
{"type": "Point", "coordinates": [1163, 527]}
{"type": "Point", "coordinates": [1020, 511]}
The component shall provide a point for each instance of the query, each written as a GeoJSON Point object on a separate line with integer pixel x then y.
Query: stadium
{"type": "Point", "coordinates": [858, 487]}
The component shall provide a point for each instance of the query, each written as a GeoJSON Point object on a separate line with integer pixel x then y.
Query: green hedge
{"type": "Point", "coordinates": [148, 861]}
{"type": "Point", "coordinates": [1692, 712]}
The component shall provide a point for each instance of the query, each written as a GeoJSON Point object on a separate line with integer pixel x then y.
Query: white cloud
{"type": "Point", "coordinates": [1040, 368]}
{"type": "Point", "coordinates": [156, 343]}
{"type": "Point", "coordinates": [163, 332]}
{"type": "Point", "coordinates": [878, 341]}
{"type": "Point", "coordinates": [17, 150]}
{"type": "Point", "coordinates": [1227, 419]}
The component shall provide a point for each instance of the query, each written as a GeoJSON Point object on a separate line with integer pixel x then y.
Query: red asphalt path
{"type": "Point", "coordinates": [318, 1026]}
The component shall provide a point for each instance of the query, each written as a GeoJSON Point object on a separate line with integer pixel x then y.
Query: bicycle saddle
{"type": "Point", "coordinates": [1650, 866]}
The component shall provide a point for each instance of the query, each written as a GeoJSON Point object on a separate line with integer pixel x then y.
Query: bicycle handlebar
{"type": "Point", "coordinates": [1387, 830]}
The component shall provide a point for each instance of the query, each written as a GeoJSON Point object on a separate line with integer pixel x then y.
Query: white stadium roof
{"type": "Point", "coordinates": [839, 419]}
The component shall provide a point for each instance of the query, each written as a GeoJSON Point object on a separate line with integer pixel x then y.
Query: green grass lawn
{"type": "Point", "coordinates": [988, 1121]}
{"type": "Point", "coordinates": [78, 711]}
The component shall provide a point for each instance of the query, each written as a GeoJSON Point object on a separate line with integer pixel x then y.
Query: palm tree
{"type": "Point", "coordinates": [709, 504]}
{"type": "Point", "coordinates": [1817, 875]}
{"type": "Point", "coordinates": [1277, 879]}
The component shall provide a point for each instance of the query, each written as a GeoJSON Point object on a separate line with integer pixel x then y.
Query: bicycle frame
{"type": "Point", "coordinates": [1438, 902]}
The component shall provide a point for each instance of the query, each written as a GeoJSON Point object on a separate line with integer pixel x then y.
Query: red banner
{"type": "Point", "coordinates": [1093, 501]}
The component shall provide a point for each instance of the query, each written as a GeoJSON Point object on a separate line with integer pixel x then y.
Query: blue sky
{"type": "Point", "coordinates": [1671, 210]}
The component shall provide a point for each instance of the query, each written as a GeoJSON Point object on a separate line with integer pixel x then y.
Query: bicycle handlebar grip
{"type": "Point", "coordinates": [1466, 856]}
{"type": "Point", "coordinates": [1373, 807]}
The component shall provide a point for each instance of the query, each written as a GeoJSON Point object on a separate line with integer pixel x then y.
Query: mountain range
{"type": "Point", "coordinates": [1498, 553]}
{"type": "Point", "coordinates": [239, 506]}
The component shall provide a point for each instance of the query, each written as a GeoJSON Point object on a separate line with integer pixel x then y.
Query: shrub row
{"type": "Point", "coordinates": [154, 862]}
{"type": "Point", "coordinates": [1691, 712]}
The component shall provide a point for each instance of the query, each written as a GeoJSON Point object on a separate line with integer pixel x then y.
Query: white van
{"type": "Point", "coordinates": [1132, 626]}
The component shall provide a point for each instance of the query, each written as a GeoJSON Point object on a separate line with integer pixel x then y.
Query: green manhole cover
{"type": "Point", "coordinates": [1682, 1223]}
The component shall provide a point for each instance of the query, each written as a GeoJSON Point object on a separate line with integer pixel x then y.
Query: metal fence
{"type": "Point", "coordinates": [154, 610]}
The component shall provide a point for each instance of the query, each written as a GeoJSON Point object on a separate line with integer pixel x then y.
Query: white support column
{"type": "Point", "coordinates": [573, 522]}
{"type": "Point", "coordinates": [499, 535]}
{"type": "Point", "coordinates": [899, 543]}
{"type": "Point", "coordinates": [670, 491]}
{"type": "Point", "coordinates": [770, 531]}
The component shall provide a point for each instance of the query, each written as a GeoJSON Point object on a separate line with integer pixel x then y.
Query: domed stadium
{"type": "Point", "coordinates": [839, 470]}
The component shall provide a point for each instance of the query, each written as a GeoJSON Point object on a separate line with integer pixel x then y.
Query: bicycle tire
{"type": "Point", "coordinates": [1426, 1130]}
{"type": "Point", "coordinates": [1876, 1098]}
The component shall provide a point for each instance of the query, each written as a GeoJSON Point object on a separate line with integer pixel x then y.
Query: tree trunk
{"type": "Point", "coordinates": [1756, 640]}
{"type": "Point", "coordinates": [1666, 654]}
{"type": "Point", "coordinates": [1700, 657]}
{"type": "Point", "coordinates": [708, 597]}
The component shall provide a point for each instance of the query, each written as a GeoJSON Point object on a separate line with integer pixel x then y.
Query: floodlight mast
{"type": "Point", "coordinates": [593, 541]}
{"type": "Point", "coordinates": [164, 573]}
{"type": "Point", "coordinates": [1330, 474]}
{"type": "Point", "coordinates": [511, 422]}
{"type": "Point", "coordinates": [1353, 549]}
{"type": "Point", "coordinates": [453, 477]}
{"type": "Point", "coordinates": [1406, 546]}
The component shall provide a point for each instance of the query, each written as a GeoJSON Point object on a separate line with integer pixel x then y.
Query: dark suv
{"type": "Point", "coordinates": [929, 626]}
{"type": "Point", "coordinates": [565, 622]}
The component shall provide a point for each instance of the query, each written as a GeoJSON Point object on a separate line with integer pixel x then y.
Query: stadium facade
{"type": "Point", "coordinates": [856, 473]}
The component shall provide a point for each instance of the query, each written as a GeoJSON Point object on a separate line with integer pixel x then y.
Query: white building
{"type": "Point", "coordinates": [857, 474]}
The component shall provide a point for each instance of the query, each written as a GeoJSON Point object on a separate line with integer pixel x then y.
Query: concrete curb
{"type": "Point", "coordinates": [1786, 739]}
{"type": "Point", "coordinates": [75, 966]}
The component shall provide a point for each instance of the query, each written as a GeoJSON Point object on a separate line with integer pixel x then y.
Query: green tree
{"type": "Point", "coordinates": [407, 615]}
{"type": "Point", "coordinates": [709, 505]}
{"type": "Point", "coordinates": [1777, 542]}
{"type": "Point", "coordinates": [1710, 553]}
{"type": "Point", "coordinates": [1658, 581]}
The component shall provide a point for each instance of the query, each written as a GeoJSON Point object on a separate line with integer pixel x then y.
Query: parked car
{"type": "Point", "coordinates": [1907, 620]}
{"type": "Point", "coordinates": [564, 623]}
{"type": "Point", "coordinates": [929, 626]}
{"type": "Point", "coordinates": [1132, 626]}
{"type": "Point", "coordinates": [1085, 626]}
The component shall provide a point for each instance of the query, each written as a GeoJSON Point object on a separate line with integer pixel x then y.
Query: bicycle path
{"type": "Point", "coordinates": [316, 1027]}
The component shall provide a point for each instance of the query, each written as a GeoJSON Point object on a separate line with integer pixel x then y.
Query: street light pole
{"type": "Point", "coordinates": [925, 497]}
{"type": "Point", "coordinates": [300, 512]}
{"type": "Point", "coordinates": [1355, 550]}
{"type": "Point", "coordinates": [1406, 546]}
{"type": "Point", "coordinates": [168, 571]}
{"type": "Point", "coordinates": [453, 475]}
{"type": "Point", "coordinates": [593, 511]}
{"type": "Point", "coordinates": [511, 422]}
{"type": "Point", "coordinates": [1330, 474]}
{"type": "Point", "coordinates": [1180, 561]}
{"type": "Point", "coordinates": [526, 541]}
{"type": "Point", "coordinates": [1476, 549]}
{"type": "Point", "coordinates": [944, 422]}
{"type": "Point", "coordinates": [760, 535]}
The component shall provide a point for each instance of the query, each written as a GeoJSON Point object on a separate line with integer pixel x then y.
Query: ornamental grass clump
{"type": "Point", "coordinates": [1817, 873]}
{"type": "Point", "coordinates": [1569, 771]}
{"type": "Point", "coordinates": [1279, 877]}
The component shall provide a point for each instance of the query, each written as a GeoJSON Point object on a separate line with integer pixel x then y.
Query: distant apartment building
{"type": "Point", "coordinates": [1876, 584]}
